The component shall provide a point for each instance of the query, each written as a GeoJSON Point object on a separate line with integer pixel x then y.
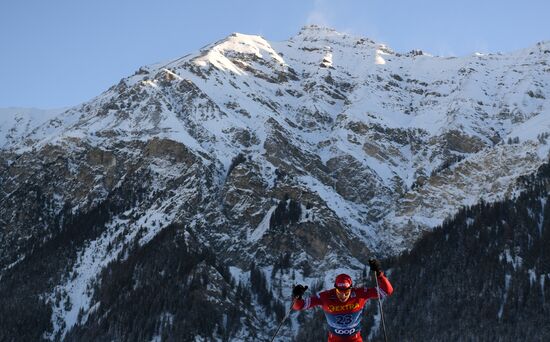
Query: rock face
{"type": "Point", "coordinates": [324, 149]}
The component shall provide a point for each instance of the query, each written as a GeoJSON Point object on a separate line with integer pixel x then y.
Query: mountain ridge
{"type": "Point", "coordinates": [374, 147]}
{"type": "Point", "coordinates": [210, 122]}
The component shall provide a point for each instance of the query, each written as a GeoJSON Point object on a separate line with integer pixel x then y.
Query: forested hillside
{"type": "Point", "coordinates": [483, 276]}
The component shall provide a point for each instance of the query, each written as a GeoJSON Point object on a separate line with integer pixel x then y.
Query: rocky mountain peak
{"type": "Point", "coordinates": [319, 31]}
{"type": "Point", "coordinates": [234, 52]}
{"type": "Point", "coordinates": [314, 36]}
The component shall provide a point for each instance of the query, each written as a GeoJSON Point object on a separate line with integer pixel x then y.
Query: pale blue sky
{"type": "Point", "coordinates": [56, 53]}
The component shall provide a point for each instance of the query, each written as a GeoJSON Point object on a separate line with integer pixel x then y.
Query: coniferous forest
{"type": "Point", "coordinates": [482, 276]}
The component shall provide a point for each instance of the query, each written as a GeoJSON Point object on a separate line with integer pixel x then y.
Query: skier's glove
{"type": "Point", "coordinates": [375, 266]}
{"type": "Point", "coordinates": [298, 291]}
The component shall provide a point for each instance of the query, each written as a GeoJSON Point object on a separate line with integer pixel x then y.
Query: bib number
{"type": "Point", "coordinates": [344, 319]}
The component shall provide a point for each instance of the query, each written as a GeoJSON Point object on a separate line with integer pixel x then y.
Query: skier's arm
{"type": "Point", "coordinates": [386, 289]}
{"type": "Point", "coordinates": [308, 303]}
{"type": "Point", "coordinates": [301, 304]}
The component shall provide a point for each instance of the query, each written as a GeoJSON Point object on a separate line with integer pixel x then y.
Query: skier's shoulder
{"type": "Point", "coordinates": [360, 290]}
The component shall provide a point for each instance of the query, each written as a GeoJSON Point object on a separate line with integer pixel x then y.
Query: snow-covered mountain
{"type": "Point", "coordinates": [326, 147]}
{"type": "Point", "coordinates": [16, 123]}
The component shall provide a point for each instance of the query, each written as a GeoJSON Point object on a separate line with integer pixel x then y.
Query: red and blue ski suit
{"type": "Point", "coordinates": [344, 318]}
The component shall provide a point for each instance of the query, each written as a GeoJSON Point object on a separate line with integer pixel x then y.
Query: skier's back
{"type": "Point", "coordinates": [343, 305]}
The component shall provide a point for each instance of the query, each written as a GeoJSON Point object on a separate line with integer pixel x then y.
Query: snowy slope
{"type": "Point", "coordinates": [15, 123]}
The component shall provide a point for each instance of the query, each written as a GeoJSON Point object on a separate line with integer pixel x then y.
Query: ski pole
{"type": "Point", "coordinates": [284, 319]}
{"type": "Point", "coordinates": [380, 305]}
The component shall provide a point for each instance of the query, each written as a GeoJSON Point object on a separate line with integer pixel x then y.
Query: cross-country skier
{"type": "Point", "coordinates": [343, 305]}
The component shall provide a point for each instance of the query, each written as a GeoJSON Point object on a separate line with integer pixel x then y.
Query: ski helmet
{"type": "Point", "coordinates": [343, 281]}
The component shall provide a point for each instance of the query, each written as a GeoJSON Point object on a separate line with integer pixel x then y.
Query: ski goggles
{"type": "Point", "coordinates": [343, 291]}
